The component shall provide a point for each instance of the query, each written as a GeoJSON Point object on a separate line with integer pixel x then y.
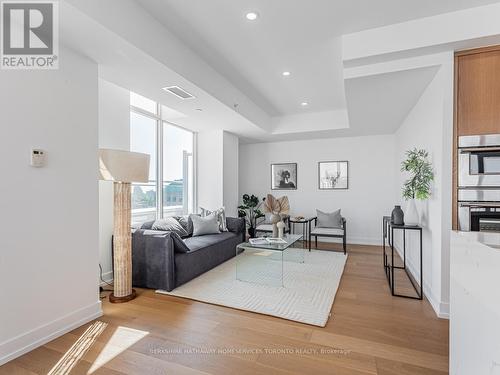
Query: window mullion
{"type": "Point", "coordinates": [159, 164]}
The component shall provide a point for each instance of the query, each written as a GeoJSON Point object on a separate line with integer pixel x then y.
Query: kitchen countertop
{"type": "Point", "coordinates": [490, 239]}
{"type": "Point", "coordinates": [474, 303]}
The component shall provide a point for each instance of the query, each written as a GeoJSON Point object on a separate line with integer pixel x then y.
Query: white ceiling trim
{"type": "Point", "coordinates": [437, 33]}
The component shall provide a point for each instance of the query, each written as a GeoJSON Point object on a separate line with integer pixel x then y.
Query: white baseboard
{"type": "Point", "coordinates": [442, 309]}
{"type": "Point", "coordinates": [39, 336]}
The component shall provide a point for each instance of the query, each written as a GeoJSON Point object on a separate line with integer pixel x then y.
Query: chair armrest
{"type": "Point", "coordinates": [344, 222]}
{"type": "Point", "coordinates": [236, 225]}
{"type": "Point", "coordinates": [153, 259]}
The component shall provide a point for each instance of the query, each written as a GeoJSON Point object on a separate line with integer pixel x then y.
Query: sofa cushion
{"type": "Point", "coordinates": [327, 231]}
{"type": "Point", "coordinates": [205, 225]}
{"type": "Point", "coordinates": [198, 242]}
{"type": "Point", "coordinates": [329, 220]}
{"type": "Point", "coordinates": [170, 224]}
{"type": "Point", "coordinates": [146, 225]}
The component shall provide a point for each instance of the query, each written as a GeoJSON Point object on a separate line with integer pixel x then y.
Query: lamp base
{"type": "Point", "coordinates": [130, 297]}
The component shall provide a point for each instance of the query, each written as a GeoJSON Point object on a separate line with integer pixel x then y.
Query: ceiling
{"type": "Point", "coordinates": [299, 36]}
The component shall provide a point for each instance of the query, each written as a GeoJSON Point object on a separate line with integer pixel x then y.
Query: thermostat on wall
{"type": "Point", "coordinates": [37, 158]}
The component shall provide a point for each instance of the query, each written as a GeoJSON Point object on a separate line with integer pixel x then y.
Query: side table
{"type": "Point", "coordinates": [389, 265]}
{"type": "Point", "coordinates": [305, 225]}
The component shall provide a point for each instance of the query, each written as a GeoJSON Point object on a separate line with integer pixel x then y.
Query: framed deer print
{"type": "Point", "coordinates": [333, 175]}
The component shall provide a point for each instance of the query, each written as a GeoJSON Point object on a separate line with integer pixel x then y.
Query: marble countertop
{"type": "Point", "coordinates": [490, 239]}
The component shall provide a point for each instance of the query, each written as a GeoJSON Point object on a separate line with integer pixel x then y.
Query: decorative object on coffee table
{"type": "Point", "coordinates": [418, 186]}
{"type": "Point", "coordinates": [122, 167]}
{"type": "Point", "coordinates": [250, 210]}
{"type": "Point", "coordinates": [397, 216]}
{"type": "Point", "coordinates": [277, 207]}
{"type": "Point", "coordinates": [281, 228]}
{"type": "Point", "coordinates": [284, 176]}
{"type": "Point", "coordinates": [333, 175]}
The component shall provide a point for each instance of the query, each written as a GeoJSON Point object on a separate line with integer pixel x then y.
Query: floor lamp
{"type": "Point", "coordinates": [123, 168]}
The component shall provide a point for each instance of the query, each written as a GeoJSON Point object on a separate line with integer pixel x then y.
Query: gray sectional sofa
{"type": "Point", "coordinates": [163, 260]}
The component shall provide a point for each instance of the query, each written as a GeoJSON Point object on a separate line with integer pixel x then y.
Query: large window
{"type": "Point", "coordinates": [170, 190]}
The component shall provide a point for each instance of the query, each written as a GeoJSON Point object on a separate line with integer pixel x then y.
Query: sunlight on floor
{"type": "Point", "coordinates": [78, 349]}
{"type": "Point", "coordinates": [122, 339]}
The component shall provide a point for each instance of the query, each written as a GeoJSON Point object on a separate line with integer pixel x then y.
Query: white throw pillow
{"type": "Point", "coordinates": [329, 220]}
{"type": "Point", "coordinates": [220, 213]}
{"type": "Point", "coordinates": [205, 225]}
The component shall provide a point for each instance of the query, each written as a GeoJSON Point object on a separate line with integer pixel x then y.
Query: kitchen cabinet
{"type": "Point", "coordinates": [478, 92]}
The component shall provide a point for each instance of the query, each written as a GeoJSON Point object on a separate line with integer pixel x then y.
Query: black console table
{"type": "Point", "coordinates": [389, 265]}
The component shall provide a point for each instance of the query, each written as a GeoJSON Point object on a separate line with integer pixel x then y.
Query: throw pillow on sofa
{"type": "Point", "coordinates": [186, 223]}
{"type": "Point", "coordinates": [170, 224]}
{"type": "Point", "coordinates": [329, 220]}
{"type": "Point", "coordinates": [221, 217]}
{"type": "Point", "coordinates": [205, 225]}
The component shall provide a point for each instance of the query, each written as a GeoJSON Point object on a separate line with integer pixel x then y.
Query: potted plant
{"type": "Point", "coordinates": [418, 186]}
{"type": "Point", "coordinates": [250, 210]}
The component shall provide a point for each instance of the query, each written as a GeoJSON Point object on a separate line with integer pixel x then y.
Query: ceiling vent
{"type": "Point", "coordinates": [179, 92]}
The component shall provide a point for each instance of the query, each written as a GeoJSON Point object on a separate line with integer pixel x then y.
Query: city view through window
{"type": "Point", "coordinates": [170, 188]}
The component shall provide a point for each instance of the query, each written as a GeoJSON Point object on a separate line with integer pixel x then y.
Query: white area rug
{"type": "Point", "coordinates": [307, 295]}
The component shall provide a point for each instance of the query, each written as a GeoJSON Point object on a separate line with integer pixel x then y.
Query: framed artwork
{"type": "Point", "coordinates": [333, 175]}
{"type": "Point", "coordinates": [284, 176]}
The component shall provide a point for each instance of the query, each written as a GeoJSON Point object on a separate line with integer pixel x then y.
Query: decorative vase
{"type": "Point", "coordinates": [275, 219]}
{"type": "Point", "coordinates": [411, 214]}
{"type": "Point", "coordinates": [281, 228]}
{"type": "Point", "coordinates": [397, 216]}
{"type": "Point", "coordinates": [251, 232]}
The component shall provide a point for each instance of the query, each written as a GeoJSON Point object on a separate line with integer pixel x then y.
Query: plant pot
{"type": "Point", "coordinates": [397, 216]}
{"type": "Point", "coordinates": [251, 232]}
{"type": "Point", "coordinates": [411, 214]}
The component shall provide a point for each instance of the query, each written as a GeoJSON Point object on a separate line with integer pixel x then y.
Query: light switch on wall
{"type": "Point", "coordinates": [38, 158]}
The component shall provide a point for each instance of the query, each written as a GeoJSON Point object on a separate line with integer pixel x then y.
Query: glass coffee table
{"type": "Point", "coordinates": [263, 263]}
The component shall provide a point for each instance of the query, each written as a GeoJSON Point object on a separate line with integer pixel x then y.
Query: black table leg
{"type": "Point", "coordinates": [421, 270]}
{"type": "Point", "coordinates": [392, 262]}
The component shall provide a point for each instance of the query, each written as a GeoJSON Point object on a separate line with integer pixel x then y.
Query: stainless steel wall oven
{"type": "Point", "coordinates": [479, 183]}
{"type": "Point", "coordinates": [479, 161]}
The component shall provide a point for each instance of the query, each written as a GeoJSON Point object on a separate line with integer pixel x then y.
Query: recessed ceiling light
{"type": "Point", "coordinates": [252, 16]}
{"type": "Point", "coordinates": [286, 74]}
{"type": "Point", "coordinates": [304, 104]}
{"type": "Point", "coordinates": [199, 109]}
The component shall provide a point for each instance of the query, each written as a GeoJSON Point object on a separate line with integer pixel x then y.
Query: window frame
{"type": "Point", "coordinates": [159, 156]}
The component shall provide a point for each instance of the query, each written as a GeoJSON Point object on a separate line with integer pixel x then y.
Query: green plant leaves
{"type": "Point", "coordinates": [418, 186]}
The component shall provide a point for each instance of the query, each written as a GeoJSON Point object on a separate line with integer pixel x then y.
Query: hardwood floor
{"type": "Point", "coordinates": [369, 332]}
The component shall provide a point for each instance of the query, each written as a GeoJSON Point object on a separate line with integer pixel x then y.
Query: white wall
{"type": "Point", "coordinates": [210, 169]}
{"type": "Point", "coordinates": [48, 228]}
{"type": "Point", "coordinates": [371, 179]}
{"type": "Point", "coordinates": [218, 171]}
{"type": "Point", "coordinates": [230, 174]}
{"type": "Point", "coordinates": [114, 132]}
{"type": "Point", "coordinates": [429, 126]}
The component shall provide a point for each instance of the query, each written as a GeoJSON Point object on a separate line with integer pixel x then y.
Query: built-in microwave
{"type": "Point", "coordinates": [479, 161]}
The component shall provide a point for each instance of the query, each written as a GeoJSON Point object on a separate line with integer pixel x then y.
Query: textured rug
{"type": "Point", "coordinates": [306, 296]}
